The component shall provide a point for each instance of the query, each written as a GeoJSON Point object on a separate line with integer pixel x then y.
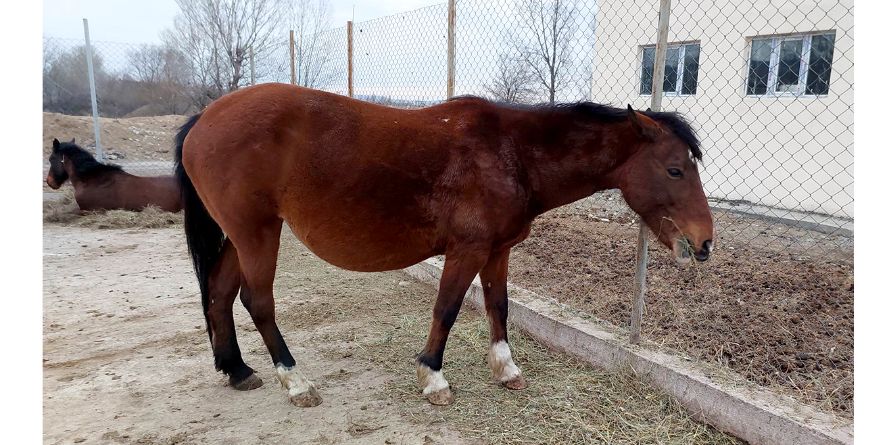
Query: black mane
{"type": "Point", "coordinates": [674, 121]}
{"type": "Point", "coordinates": [85, 165]}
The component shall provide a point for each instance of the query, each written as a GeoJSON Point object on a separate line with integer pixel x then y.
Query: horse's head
{"type": "Point", "coordinates": [660, 182]}
{"type": "Point", "coordinates": [57, 173]}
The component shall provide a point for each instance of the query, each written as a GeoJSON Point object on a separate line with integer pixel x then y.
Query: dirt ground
{"type": "Point", "coordinates": [130, 139]}
{"type": "Point", "coordinates": [768, 310]}
{"type": "Point", "coordinates": [126, 360]}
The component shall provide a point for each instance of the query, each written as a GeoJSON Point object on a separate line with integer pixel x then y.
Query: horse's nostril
{"type": "Point", "coordinates": [705, 252]}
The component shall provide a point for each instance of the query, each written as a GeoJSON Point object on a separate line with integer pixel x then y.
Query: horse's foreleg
{"type": "Point", "coordinates": [494, 276]}
{"type": "Point", "coordinates": [458, 272]}
{"type": "Point", "coordinates": [224, 282]}
{"type": "Point", "coordinates": [258, 261]}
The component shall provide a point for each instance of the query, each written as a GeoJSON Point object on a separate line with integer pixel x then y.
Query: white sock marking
{"type": "Point", "coordinates": [293, 380]}
{"type": "Point", "coordinates": [430, 380]}
{"type": "Point", "coordinates": [501, 362]}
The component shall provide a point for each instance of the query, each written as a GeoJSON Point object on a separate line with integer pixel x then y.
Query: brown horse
{"type": "Point", "coordinates": [372, 188]}
{"type": "Point", "coordinates": [99, 186]}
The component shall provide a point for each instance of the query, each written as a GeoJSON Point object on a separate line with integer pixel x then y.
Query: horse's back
{"type": "Point", "coordinates": [365, 187]}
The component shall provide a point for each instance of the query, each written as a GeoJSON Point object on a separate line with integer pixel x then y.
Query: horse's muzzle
{"type": "Point", "coordinates": [51, 182]}
{"type": "Point", "coordinates": [705, 252]}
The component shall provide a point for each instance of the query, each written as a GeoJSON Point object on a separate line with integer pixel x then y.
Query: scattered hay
{"type": "Point", "coordinates": [64, 210]}
{"type": "Point", "coordinates": [567, 401]}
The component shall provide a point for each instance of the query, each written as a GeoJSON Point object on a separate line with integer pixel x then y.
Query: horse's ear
{"type": "Point", "coordinates": [642, 124]}
{"type": "Point", "coordinates": [55, 144]}
{"type": "Point", "coordinates": [73, 140]}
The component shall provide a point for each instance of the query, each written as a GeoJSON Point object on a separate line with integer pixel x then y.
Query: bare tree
{"type": "Point", "coordinates": [545, 42]}
{"type": "Point", "coordinates": [163, 74]}
{"type": "Point", "coordinates": [512, 82]}
{"type": "Point", "coordinates": [216, 36]}
{"type": "Point", "coordinates": [309, 19]}
{"type": "Point", "coordinates": [65, 81]}
{"type": "Point", "coordinates": [158, 63]}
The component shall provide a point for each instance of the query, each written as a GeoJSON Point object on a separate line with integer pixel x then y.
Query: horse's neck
{"type": "Point", "coordinates": [102, 179]}
{"type": "Point", "coordinates": [571, 163]}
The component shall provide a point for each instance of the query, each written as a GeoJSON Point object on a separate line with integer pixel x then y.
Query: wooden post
{"type": "Point", "coordinates": [350, 58]}
{"type": "Point", "coordinates": [661, 49]}
{"type": "Point", "coordinates": [292, 57]}
{"type": "Point", "coordinates": [450, 52]}
{"type": "Point", "coordinates": [251, 66]}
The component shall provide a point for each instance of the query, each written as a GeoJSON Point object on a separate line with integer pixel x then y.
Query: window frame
{"type": "Point", "coordinates": [681, 57]}
{"type": "Point", "coordinates": [775, 42]}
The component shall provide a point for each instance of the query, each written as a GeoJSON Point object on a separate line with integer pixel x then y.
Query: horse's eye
{"type": "Point", "coordinates": [675, 172]}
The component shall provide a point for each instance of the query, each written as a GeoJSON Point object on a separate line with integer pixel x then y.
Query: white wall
{"type": "Point", "coordinates": [789, 152]}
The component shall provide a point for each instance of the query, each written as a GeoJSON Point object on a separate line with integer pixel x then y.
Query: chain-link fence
{"type": "Point", "coordinates": [768, 86]}
{"type": "Point", "coordinates": [142, 92]}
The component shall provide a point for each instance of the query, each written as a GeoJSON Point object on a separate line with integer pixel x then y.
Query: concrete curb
{"type": "Point", "coordinates": [754, 414]}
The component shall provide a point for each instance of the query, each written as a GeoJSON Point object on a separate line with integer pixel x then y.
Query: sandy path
{"type": "Point", "coordinates": [126, 358]}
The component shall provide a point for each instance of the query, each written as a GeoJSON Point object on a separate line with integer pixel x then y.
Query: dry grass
{"type": "Point", "coordinates": [65, 211]}
{"type": "Point", "coordinates": [567, 401]}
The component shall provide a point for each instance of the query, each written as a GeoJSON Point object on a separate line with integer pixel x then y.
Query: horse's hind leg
{"type": "Point", "coordinates": [494, 276]}
{"type": "Point", "coordinates": [258, 262]}
{"type": "Point", "coordinates": [224, 282]}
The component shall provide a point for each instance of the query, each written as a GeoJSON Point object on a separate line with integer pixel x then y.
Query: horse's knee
{"type": "Point", "coordinates": [260, 309]}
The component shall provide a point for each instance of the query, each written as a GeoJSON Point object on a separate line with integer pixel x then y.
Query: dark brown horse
{"type": "Point", "coordinates": [372, 188]}
{"type": "Point", "coordinates": [99, 186]}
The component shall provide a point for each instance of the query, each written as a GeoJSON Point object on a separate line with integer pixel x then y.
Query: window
{"type": "Point", "coordinates": [793, 65]}
{"type": "Point", "coordinates": [681, 69]}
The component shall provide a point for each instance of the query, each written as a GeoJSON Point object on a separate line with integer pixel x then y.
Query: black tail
{"type": "Point", "coordinates": [205, 237]}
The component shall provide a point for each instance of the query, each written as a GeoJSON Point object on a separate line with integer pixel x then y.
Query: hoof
{"type": "Point", "coordinates": [306, 399]}
{"type": "Point", "coordinates": [516, 383]}
{"type": "Point", "coordinates": [442, 397]}
{"type": "Point", "coordinates": [247, 384]}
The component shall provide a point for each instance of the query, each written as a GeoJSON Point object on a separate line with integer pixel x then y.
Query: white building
{"type": "Point", "coordinates": [774, 115]}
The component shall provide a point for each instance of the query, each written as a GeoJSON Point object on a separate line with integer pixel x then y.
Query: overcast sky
{"type": "Point", "coordinates": [140, 21]}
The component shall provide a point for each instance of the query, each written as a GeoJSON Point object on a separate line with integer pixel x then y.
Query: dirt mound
{"type": "Point", "coordinates": [130, 139]}
{"type": "Point", "coordinates": [781, 320]}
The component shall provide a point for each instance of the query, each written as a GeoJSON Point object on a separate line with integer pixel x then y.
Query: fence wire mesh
{"type": "Point", "coordinates": [768, 86]}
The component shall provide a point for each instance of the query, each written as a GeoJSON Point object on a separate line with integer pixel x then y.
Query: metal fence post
{"type": "Point", "coordinates": [450, 52]}
{"type": "Point", "coordinates": [292, 56]}
{"type": "Point", "coordinates": [661, 49]}
{"type": "Point", "coordinates": [350, 58]}
{"type": "Point", "coordinates": [99, 153]}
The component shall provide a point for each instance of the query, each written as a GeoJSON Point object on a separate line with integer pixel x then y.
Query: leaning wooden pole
{"type": "Point", "coordinates": [661, 49]}
{"type": "Point", "coordinates": [292, 56]}
{"type": "Point", "coordinates": [350, 58]}
{"type": "Point", "coordinates": [450, 52]}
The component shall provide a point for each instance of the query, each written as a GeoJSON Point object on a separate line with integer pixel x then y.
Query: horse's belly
{"type": "Point", "coordinates": [367, 248]}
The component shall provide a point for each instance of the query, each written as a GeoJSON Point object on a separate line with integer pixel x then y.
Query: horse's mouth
{"type": "Point", "coordinates": [684, 252]}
